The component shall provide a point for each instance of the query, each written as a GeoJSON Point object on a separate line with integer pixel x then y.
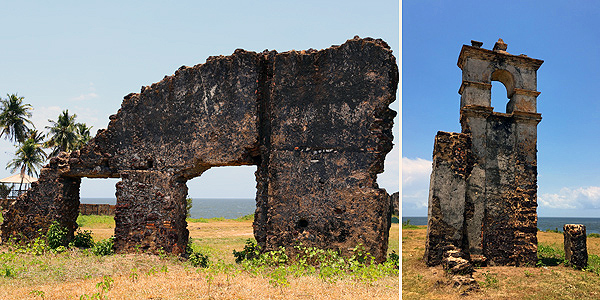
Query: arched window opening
{"type": "Point", "coordinates": [499, 99]}
{"type": "Point", "coordinates": [503, 86]}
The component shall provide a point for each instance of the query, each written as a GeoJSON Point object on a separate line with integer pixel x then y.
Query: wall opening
{"type": "Point", "coordinates": [223, 192]}
{"type": "Point", "coordinates": [503, 86]}
{"type": "Point", "coordinates": [94, 196]}
{"type": "Point", "coordinates": [227, 192]}
{"type": "Point", "coordinates": [499, 97]}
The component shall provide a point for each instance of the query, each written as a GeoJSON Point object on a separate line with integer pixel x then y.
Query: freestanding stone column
{"type": "Point", "coordinates": [575, 245]}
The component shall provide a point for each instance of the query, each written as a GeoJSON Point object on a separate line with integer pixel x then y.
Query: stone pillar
{"type": "Point", "coordinates": [575, 245]}
{"type": "Point", "coordinates": [445, 225]}
{"type": "Point", "coordinates": [150, 213]}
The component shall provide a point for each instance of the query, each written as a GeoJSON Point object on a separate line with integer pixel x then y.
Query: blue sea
{"type": "Point", "coordinates": [592, 225]}
{"type": "Point", "coordinates": [203, 207]}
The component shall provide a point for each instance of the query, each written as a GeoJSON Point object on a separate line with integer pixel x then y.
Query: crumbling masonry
{"type": "Point", "coordinates": [316, 123]}
{"type": "Point", "coordinates": [483, 190]}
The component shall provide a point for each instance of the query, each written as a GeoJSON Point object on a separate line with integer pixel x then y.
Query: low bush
{"type": "Point", "coordinates": [104, 247]}
{"type": "Point", "coordinates": [328, 264]}
{"type": "Point", "coordinates": [250, 251]}
{"type": "Point", "coordinates": [196, 257]}
{"type": "Point", "coordinates": [57, 236]}
{"type": "Point", "coordinates": [83, 239]}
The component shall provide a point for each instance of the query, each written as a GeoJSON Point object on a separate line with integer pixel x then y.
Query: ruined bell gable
{"type": "Point", "coordinates": [317, 125]}
{"type": "Point", "coordinates": [483, 190]}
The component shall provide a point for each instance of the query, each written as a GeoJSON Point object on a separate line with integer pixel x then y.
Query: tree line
{"type": "Point", "coordinates": [64, 134]}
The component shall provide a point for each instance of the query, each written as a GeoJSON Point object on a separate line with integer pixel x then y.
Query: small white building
{"type": "Point", "coordinates": [18, 184]}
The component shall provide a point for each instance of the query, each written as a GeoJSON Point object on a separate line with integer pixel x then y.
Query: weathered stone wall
{"type": "Point", "coordinates": [52, 198]}
{"type": "Point", "coordinates": [316, 123]}
{"type": "Point", "coordinates": [326, 146]}
{"type": "Point", "coordinates": [498, 194]}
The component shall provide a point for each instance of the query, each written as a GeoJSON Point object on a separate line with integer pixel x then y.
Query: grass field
{"type": "Point", "coordinates": [551, 279]}
{"type": "Point", "coordinates": [78, 274]}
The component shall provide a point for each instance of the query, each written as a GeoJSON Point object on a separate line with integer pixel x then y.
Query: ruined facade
{"type": "Point", "coordinates": [317, 125]}
{"type": "Point", "coordinates": [483, 190]}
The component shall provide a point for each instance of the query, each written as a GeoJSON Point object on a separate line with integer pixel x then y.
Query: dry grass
{"type": "Point", "coordinates": [74, 274]}
{"type": "Point", "coordinates": [549, 282]}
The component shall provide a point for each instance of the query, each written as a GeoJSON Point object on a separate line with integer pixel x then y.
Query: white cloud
{"type": "Point", "coordinates": [87, 96]}
{"type": "Point", "coordinates": [415, 171]}
{"type": "Point", "coordinates": [568, 198]}
{"type": "Point", "coordinates": [415, 181]}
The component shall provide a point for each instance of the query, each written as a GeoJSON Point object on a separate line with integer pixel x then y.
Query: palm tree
{"type": "Point", "coordinates": [14, 118]}
{"type": "Point", "coordinates": [29, 156]}
{"type": "Point", "coordinates": [83, 134]}
{"type": "Point", "coordinates": [63, 135]}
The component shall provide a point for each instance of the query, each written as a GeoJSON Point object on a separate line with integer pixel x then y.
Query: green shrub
{"type": "Point", "coordinates": [593, 235]}
{"type": "Point", "coordinates": [104, 247]}
{"type": "Point", "coordinates": [56, 236]}
{"type": "Point", "coordinates": [83, 239]}
{"type": "Point", "coordinates": [329, 265]}
{"type": "Point", "coordinates": [196, 257]}
{"type": "Point", "coordinates": [393, 259]}
{"type": "Point", "coordinates": [251, 251]}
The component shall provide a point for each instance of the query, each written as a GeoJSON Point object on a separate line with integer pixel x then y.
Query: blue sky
{"type": "Point", "coordinates": [566, 35]}
{"type": "Point", "coordinates": [86, 55]}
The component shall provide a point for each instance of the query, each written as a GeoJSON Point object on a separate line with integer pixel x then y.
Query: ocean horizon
{"type": "Point", "coordinates": [228, 208]}
{"type": "Point", "coordinates": [592, 225]}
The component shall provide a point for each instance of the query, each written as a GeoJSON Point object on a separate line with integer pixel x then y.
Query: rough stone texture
{"type": "Point", "coordinates": [395, 203]}
{"type": "Point", "coordinates": [321, 187]}
{"type": "Point", "coordinates": [451, 154]}
{"type": "Point", "coordinates": [494, 204]}
{"type": "Point", "coordinates": [52, 198]}
{"type": "Point", "coordinates": [575, 245]}
{"type": "Point", "coordinates": [316, 123]}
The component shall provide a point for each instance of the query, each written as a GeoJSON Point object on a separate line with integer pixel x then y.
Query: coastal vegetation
{"type": "Point", "coordinates": [550, 278]}
{"type": "Point", "coordinates": [77, 271]}
{"type": "Point", "coordinates": [15, 125]}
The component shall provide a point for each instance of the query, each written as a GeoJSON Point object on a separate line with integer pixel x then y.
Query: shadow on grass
{"type": "Point", "coordinates": [549, 261]}
{"type": "Point", "coordinates": [550, 255]}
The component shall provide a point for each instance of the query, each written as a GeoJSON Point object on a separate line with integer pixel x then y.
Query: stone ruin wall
{"type": "Point", "coordinates": [483, 189]}
{"type": "Point", "coordinates": [316, 123]}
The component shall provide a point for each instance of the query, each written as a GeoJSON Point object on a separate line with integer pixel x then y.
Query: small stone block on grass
{"type": "Point", "coordinates": [575, 245]}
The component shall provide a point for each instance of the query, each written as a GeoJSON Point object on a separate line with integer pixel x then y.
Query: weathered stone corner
{"type": "Point", "coordinates": [317, 125]}
{"type": "Point", "coordinates": [483, 189]}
